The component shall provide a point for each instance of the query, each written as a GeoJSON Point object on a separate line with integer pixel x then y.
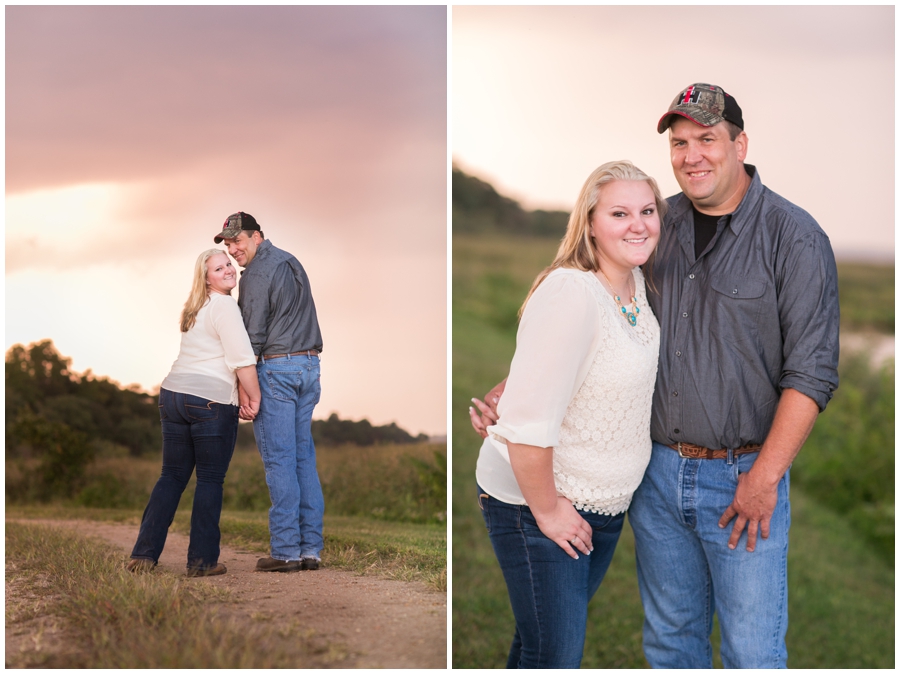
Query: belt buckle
{"type": "Point", "coordinates": [680, 454]}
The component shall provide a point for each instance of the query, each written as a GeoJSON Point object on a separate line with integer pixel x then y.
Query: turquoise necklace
{"type": "Point", "coordinates": [630, 316]}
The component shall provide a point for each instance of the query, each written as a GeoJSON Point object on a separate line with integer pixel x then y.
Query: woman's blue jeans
{"type": "Point", "coordinates": [290, 389]}
{"type": "Point", "coordinates": [549, 591]}
{"type": "Point", "coordinates": [686, 572]}
{"type": "Point", "coordinates": [196, 432]}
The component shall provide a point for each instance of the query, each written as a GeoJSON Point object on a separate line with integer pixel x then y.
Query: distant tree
{"type": "Point", "coordinates": [478, 207]}
{"type": "Point", "coordinates": [41, 385]}
{"type": "Point", "coordinates": [336, 431]}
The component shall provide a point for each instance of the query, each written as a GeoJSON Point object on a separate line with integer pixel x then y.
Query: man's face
{"type": "Point", "coordinates": [708, 165]}
{"type": "Point", "coordinates": [243, 247]}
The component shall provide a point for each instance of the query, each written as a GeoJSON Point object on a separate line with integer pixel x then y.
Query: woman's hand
{"type": "Point", "coordinates": [248, 392]}
{"type": "Point", "coordinates": [249, 410]}
{"type": "Point", "coordinates": [565, 527]}
{"type": "Point", "coordinates": [487, 408]}
{"type": "Point", "coordinates": [480, 422]}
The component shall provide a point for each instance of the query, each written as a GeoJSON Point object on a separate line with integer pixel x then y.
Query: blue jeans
{"type": "Point", "coordinates": [686, 572]}
{"type": "Point", "coordinates": [196, 432]}
{"type": "Point", "coordinates": [549, 591]}
{"type": "Point", "coordinates": [290, 390]}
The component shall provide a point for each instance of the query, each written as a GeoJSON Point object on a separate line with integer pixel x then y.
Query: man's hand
{"type": "Point", "coordinates": [487, 408]}
{"type": "Point", "coordinates": [757, 492]}
{"type": "Point", "coordinates": [249, 411]}
{"type": "Point", "coordinates": [248, 408]}
{"type": "Point", "coordinates": [753, 505]}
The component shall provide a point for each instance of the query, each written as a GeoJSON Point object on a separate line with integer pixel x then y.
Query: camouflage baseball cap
{"type": "Point", "coordinates": [234, 224]}
{"type": "Point", "coordinates": [704, 104]}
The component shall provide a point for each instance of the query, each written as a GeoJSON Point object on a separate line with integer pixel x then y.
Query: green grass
{"type": "Point", "coordinates": [398, 550]}
{"type": "Point", "coordinates": [841, 589]}
{"type": "Point", "coordinates": [393, 482]}
{"type": "Point", "coordinates": [127, 621]}
{"type": "Point", "coordinates": [867, 297]}
{"type": "Point", "coordinates": [385, 505]}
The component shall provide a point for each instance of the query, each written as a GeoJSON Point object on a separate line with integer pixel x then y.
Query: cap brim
{"type": "Point", "coordinates": [664, 122]}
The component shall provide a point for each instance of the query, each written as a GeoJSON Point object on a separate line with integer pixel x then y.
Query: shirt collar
{"type": "Point", "coordinates": [680, 205]}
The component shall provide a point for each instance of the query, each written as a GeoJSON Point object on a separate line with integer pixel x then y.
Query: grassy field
{"type": "Point", "coordinates": [838, 618]}
{"type": "Point", "coordinates": [385, 505]}
{"type": "Point", "coordinates": [123, 620]}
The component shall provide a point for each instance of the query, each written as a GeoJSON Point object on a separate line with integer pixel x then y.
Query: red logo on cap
{"type": "Point", "coordinates": [691, 95]}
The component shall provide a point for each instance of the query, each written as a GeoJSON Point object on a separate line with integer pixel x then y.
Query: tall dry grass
{"type": "Point", "coordinates": [128, 621]}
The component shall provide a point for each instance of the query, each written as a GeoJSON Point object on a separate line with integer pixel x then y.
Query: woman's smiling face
{"type": "Point", "coordinates": [220, 274]}
{"type": "Point", "coordinates": [625, 224]}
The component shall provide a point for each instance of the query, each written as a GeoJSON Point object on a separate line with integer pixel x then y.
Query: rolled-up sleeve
{"type": "Point", "coordinates": [555, 343]}
{"type": "Point", "coordinates": [226, 320]}
{"type": "Point", "coordinates": [810, 318]}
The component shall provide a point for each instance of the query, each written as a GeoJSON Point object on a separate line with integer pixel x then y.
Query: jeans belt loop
{"type": "Point", "coordinates": [730, 459]}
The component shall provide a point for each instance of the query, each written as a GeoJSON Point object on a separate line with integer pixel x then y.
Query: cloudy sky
{"type": "Point", "coordinates": [133, 132]}
{"type": "Point", "coordinates": [543, 95]}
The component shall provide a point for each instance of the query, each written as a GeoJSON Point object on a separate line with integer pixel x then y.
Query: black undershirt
{"type": "Point", "coordinates": [704, 231]}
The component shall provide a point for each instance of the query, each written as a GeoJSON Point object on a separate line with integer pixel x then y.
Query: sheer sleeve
{"type": "Point", "coordinates": [229, 326]}
{"type": "Point", "coordinates": [555, 345]}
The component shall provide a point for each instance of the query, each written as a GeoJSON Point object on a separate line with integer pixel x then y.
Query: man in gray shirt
{"type": "Point", "coordinates": [280, 316]}
{"type": "Point", "coordinates": [747, 304]}
{"type": "Point", "coordinates": [746, 298]}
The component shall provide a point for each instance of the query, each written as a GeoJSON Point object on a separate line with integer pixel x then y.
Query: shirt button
{"type": "Point", "coordinates": [734, 292]}
{"type": "Point", "coordinates": [675, 393]}
{"type": "Point", "coordinates": [691, 277]}
{"type": "Point", "coordinates": [684, 315]}
{"type": "Point", "coordinates": [678, 353]}
{"type": "Point", "coordinates": [678, 430]}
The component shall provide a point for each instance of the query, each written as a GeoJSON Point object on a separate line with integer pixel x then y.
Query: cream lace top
{"type": "Point", "coordinates": [211, 351]}
{"type": "Point", "coordinates": [581, 382]}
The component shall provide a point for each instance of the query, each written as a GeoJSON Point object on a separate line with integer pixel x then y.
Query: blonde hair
{"type": "Point", "coordinates": [576, 250]}
{"type": "Point", "coordinates": [199, 290]}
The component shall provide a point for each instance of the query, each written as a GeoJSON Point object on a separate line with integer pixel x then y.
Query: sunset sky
{"type": "Point", "coordinates": [133, 132]}
{"type": "Point", "coordinates": [543, 95]}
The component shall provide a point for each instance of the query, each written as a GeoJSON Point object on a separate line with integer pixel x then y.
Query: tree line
{"type": "Point", "coordinates": [58, 421]}
{"type": "Point", "coordinates": [479, 208]}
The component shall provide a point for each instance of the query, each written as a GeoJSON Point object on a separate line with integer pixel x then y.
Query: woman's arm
{"type": "Point", "coordinates": [556, 516]}
{"type": "Point", "coordinates": [239, 356]}
{"type": "Point", "coordinates": [248, 392]}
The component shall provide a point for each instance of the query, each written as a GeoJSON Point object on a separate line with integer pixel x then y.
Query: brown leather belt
{"type": "Point", "coordinates": [310, 352]}
{"type": "Point", "coordinates": [688, 451]}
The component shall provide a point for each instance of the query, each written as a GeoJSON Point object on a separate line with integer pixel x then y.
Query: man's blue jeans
{"type": "Point", "coordinates": [686, 572]}
{"type": "Point", "coordinates": [290, 390]}
{"type": "Point", "coordinates": [196, 432]}
{"type": "Point", "coordinates": [549, 591]}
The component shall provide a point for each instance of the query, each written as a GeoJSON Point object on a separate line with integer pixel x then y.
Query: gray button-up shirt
{"type": "Point", "coordinates": [277, 304]}
{"type": "Point", "coordinates": [755, 314]}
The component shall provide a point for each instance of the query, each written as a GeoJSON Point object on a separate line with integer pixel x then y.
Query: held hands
{"type": "Point", "coordinates": [753, 505]}
{"type": "Point", "coordinates": [565, 527]}
{"type": "Point", "coordinates": [249, 408]}
{"type": "Point", "coordinates": [249, 411]}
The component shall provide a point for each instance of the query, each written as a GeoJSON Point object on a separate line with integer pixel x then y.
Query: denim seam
{"type": "Point", "coordinates": [782, 614]}
{"type": "Point", "coordinates": [521, 530]}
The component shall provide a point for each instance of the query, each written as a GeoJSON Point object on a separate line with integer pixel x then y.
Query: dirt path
{"type": "Point", "coordinates": [374, 622]}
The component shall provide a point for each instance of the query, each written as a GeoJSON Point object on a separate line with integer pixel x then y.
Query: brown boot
{"type": "Point", "coordinates": [217, 570]}
{"type": "Point", "coordinates": [139, 565]}
{"type": "Point", "coordinates": [269, 564]}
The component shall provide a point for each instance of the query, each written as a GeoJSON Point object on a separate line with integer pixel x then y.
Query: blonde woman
{"type": "Point", "coordinates": [198, 407]}
{"type": "Point", "coordinates": [572, 436]}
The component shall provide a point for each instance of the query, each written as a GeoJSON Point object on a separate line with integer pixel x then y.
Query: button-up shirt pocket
{"type": "Point", "coordinates": [736, 304]}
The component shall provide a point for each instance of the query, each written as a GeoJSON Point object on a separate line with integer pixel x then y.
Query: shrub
{"type": "Point", "coordinates": [847, 463]}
